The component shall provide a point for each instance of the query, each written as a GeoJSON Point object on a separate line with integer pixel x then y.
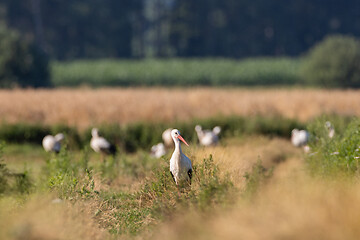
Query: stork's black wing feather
{"type": "Point", "coordinates": [172, 176]}
{"type": "Point", "coordinates": [112, 149]}
{"type": "Point", "coordinates": [109, 151]}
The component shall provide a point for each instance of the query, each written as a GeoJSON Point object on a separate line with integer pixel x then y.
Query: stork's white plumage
{"type": "Point", "coordinates": [180, 164]}
{"type": "Point", "coordinates": [330, 129]}
{"type": "Point", "coordinates": [100, 144]}
{"type": "Point", "coordinates": [208, 137]}
{"type": "Point", "coordinates": [166, 136]}
{"type": "Point", "coordinates": [53, 143]}
{"type": "Point", "coordinates": [300, 138]}
{"type": "Point", "coordinates": [158, 150]}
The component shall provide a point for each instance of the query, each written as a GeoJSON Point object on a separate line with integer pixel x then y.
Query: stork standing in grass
{"type": "Point", "coordinates": [158, 150]}
{"type": "Point", "coordinates": [330, 129]}
{"type": "Point", "coordinates": [53, 143]}
{"type": "Point", "coordinates": [180, 164]}
{"type": "Point", "coordinates": [300, 138]}
{"type": "Point", "coordinates": [166, 136]}
{"type": "Point", "coordinates": [100, 144]}
{"type": "Point", "coordinates": [208, 137]}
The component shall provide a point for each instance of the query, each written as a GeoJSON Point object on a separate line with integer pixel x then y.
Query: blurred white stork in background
{"type": "Point", "coordinates": [53, 143]}
{"type": "Point", "coordinates": [208, 137]}
{"type": "Point", "coordinates": [100, 144]}
{"type": "Point", "coordinates": [330, 129]}
{"type": "Point", "coordinates": [180, 164]}
{"type": "Point", "coordinates": [300, 138]}
{"type": "Point", "coordinates": [166, 136]}
{"type": "Point", "coordinates": [158, 150]}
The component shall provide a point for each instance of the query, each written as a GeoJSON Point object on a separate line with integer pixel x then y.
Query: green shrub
{"type": "Point", "coordinates": [21, 133]}
{"type": "Point", "coordinates": [334, 62]}
{"type": "Point", "coordinates": [21, 62]}
{"type": "Point", "coordinates": [256, 178]}
{"type": "Point", "coordinates": [339, 155]}
{"type": "Point", "coordinates": [13, 183]}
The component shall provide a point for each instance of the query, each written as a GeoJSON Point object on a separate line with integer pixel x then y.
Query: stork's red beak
{"type": "Point", "coordinates": [183, 140]}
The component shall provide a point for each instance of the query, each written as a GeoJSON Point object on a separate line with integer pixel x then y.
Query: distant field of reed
{"type": "Point", "coordinates": [86, 107]}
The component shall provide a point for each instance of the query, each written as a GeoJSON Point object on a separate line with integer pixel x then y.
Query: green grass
{"type": "Point", "coordinates": [177, 72]}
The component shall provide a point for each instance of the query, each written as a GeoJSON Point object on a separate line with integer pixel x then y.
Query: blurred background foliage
{"type": "Point", "coordinates": [22, 63]}
{"type": "Point", "coordinates": [196, 29]}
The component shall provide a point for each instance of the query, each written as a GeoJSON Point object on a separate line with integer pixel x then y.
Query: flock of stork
{"type": "Point", "coordinates": [180, 164]}
{"type": "Point", "coordinates": [300, 138]}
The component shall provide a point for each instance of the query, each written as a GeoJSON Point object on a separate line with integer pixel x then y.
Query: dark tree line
{"type": "Point", "coordinates": [188, 28]}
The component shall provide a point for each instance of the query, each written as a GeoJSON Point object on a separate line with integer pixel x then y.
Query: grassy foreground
{"type": "Point", "coordinates": [132, 195]}
{"type": "Point", "coordinates": [251, 187]}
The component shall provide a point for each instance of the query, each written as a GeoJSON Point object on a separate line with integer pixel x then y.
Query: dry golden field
{"type": "Point", "coordinates": [84, 107]}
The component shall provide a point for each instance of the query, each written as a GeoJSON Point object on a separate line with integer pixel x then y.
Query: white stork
{"type": "Point", "coordinates": [180, 164]}
{"type": "Point", "coordinates": [53, 143]}
{"type": "Point", "coordinates": [300, 138]}
{"type": "Point", "coordinates": [166, 136]}
{"type": "Point", "coordinates": [100, 144]}
{"type": "Point", "coordinates": [158, 150]}
{"type": "Point", "coordinates": [330, 129]}
{"type": "Point", "coordinates": [208, 137]}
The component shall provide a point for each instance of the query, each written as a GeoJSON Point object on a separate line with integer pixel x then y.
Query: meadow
{"type": "Point", "coordinates": [253, 185]}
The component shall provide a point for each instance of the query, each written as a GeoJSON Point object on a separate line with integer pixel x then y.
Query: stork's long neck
{"type": "Point", "coordinates": [177, 147]}
{"type": "Point", "coordinates": [177, 153]}
{"type": "Point", "coordinates": [200, 134]}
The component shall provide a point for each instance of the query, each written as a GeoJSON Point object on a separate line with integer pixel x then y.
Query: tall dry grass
{"type": "Point", "coordinates": [85, 107]}
{"type": "Point", "coordinates": [41, 218]}
{"type": "Point", "coordinates": [237, 156]}
{"type": "Point", "coordinates": [291, 205]}
{"type": "Point", "coordinates": [292, 209]}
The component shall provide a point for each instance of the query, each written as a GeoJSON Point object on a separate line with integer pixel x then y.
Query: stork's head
{"type": "Point", "coordinates": [175, 134]}
{"type": "Point", "coordinates": [198, 128]}
{"type": "Point", "coordinates": [294, 131]}
{"type": "Point", "coordinates": [95, 132]}
{"type": "Point", "coordinates": [328, 125]}
{"type": "Point", "coordinates": [59, 137]}
{"type": "Point", "coordinates": [217, 130]}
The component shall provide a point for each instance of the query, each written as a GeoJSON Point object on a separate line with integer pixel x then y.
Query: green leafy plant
{"type": "Point", "coordinates": [338, 155]}
{"type": "Point", "coordinates": [256, 178]}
